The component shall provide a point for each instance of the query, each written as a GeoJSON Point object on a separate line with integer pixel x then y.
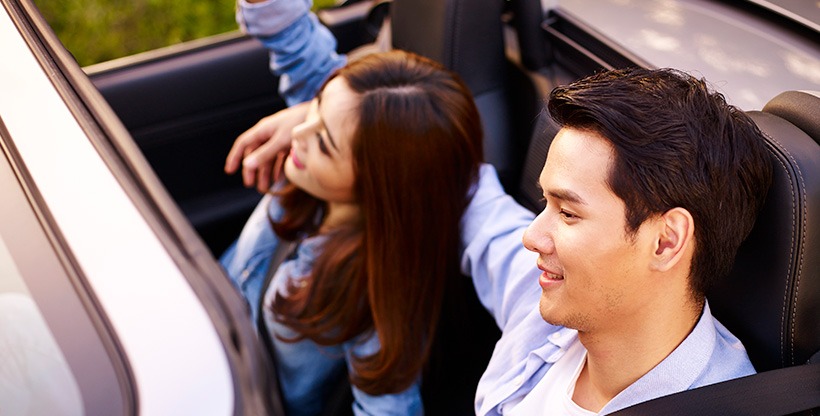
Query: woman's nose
{"type": "Point", "coordinates": [299, 133]}
{"type": "Point", "coordinates": [538, 236]}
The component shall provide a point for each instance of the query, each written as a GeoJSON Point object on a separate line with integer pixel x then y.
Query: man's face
{"type": "Point", "coordinates": [595, 274]}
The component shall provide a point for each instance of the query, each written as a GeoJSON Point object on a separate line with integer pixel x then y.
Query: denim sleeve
{"type": "Point", "coordinates": [503, 271]}
{"type": "Point", "coordinates": [404, 403]}
{"type": "Point", "coordinates": [247, 260]}
{"type": "Point", "coordinates": [302, 50]}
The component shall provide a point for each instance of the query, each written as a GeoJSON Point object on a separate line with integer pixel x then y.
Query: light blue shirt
{"type": "Point", "coordinates": [302, 50]}
{"type": "Point", "coordinates": [506, 282]}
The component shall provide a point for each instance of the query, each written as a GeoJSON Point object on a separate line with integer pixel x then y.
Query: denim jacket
{"type": "Point", "coordinates": [305, 370]}
{"type": "Point", "coordinates": [302, 50]}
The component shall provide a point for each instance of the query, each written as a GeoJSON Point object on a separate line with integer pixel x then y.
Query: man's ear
{"type": "Point", "coordinates": [676, 234]}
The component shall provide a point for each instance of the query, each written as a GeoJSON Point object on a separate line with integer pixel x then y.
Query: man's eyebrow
{"type": "Point", "coordinates": [566, 195]}
{"type": "Point", "coordinates": [322, 122]}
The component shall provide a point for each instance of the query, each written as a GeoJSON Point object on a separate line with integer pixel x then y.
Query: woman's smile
{"type": "Point", "coordinates": [296, 162]}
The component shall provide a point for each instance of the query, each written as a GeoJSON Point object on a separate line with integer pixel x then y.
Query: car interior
{"type": "Point", "coordinates": [184, 107]}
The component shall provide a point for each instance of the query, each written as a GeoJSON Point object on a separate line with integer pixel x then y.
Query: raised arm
{"type": "Point", "coordinates": [302, 50]}
{"type": "Point", "coordinates": [303, 54]}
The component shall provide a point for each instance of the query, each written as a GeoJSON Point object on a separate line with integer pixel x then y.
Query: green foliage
{"type": "Point", "coordinates": [99, 30]}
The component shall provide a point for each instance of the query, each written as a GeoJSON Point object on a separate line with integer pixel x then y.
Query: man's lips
{"type": "Point", "coordinates": [296, 162]}
{"type": "Point", "coordinates": [548, 277]}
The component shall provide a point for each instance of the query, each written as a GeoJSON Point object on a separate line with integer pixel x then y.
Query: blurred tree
{"type": "Point", "coordinates": [99, 30]}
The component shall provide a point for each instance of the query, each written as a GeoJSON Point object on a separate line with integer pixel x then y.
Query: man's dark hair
{"type": "Point", "coordinates": [676, 144]}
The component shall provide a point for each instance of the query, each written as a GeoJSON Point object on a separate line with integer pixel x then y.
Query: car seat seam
{"type": "Point", "coordinates": [791, 254]}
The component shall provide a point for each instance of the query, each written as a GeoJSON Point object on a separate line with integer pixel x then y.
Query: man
{"type": "Point", "coordinates": [650, 186]}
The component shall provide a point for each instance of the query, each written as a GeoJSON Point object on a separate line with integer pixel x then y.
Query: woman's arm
{"type": "Point", "coordinates": [302, 50]}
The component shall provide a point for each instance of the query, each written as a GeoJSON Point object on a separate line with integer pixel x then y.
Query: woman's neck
{"type": "Point", "coordinates": [338, 214]}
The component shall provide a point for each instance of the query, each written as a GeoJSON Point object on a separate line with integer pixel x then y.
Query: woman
{"type": "Point", "coordinates": [378, 178]}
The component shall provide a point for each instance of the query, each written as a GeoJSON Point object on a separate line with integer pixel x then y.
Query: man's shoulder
{"type": "Point", "coordinates": [709, 354]}
{"type": "Point", "coordinates": [728, 360]}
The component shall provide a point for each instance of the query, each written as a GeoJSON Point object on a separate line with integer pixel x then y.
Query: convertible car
{"type": "Point", "coordinates": [115, 205]}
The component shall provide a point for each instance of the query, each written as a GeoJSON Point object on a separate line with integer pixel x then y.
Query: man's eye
{"type": "Point", "coordinates": [567, 215]}
{"type": "Point", "coordinates": [322, 146]}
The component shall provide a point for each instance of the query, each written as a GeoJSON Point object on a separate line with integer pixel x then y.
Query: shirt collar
{"type": "Point", "coordinates": [677, 372]}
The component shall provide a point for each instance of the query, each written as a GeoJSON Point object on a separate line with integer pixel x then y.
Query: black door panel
{"type": "Point", "coordinates": [184, 110]}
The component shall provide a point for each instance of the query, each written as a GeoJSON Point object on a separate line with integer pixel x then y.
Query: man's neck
{"type": "Point", "coordinates": [618, 358]}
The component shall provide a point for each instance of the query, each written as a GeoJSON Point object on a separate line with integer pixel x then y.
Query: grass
{"type": "Point", "coordinates": [99, 30]}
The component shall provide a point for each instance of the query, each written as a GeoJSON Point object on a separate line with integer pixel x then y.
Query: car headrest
{"type": "Point", "coordinates": [528, 193]}
{"type": "Point", "coordinates": [801, 108]}
{"type": "Point", "coordinates": [467, 37]}
{"type": "Point", "coordinates": [463, 35]}
{"type": "Point", "coordinates": [771, 299]}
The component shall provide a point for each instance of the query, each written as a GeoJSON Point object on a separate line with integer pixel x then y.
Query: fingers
{"type": "Point", "coordinates": [259, 166]}
{"type": "Point", "coordinates": [267, 152]}
{"type": "Point", "coordinates": [260, 151]}
{"type": "Point", "coordinates": [233, 159]}
{"type": "Point", "coordinates": [243, 145]}
{"type": "Point", "coordinates": [279, 165]}
{"type": "Point", "coordinates": [263, 178]}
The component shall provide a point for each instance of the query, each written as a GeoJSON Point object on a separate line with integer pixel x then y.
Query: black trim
{"type": "Point", "coordinates": [768, 11]}
{"type": "Point", "coordinates": [582, 49]}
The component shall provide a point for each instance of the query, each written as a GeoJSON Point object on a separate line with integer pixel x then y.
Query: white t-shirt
{"type": "Point", "coordinates": [553, 394]}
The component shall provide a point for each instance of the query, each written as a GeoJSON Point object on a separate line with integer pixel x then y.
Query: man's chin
{"type": "Point", "coordinates": [561, 316]}
{"type": "Point", "coordinates": [548, 312]}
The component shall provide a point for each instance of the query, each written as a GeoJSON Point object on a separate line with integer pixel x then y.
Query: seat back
{"type": "Point", "coordinates": [467, 37]}
{"type": "Point", "coordinates": [771, 299]}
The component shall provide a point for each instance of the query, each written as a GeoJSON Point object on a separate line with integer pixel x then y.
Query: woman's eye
{"type": "Point", "coordinates": [322, 146]}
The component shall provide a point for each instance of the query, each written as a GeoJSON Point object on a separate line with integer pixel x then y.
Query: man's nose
{"type": "Point", "coordinates": [538, 236]}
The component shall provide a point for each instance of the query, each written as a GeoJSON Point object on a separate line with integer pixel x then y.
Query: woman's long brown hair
{"type": "Point", "coordinates": [416, 150]}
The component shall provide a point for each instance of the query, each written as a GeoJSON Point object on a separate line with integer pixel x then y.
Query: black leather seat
{"type": "Point", "coordinates": [467, 37]}
{"type": "Point", "coordinates": [771, 300]}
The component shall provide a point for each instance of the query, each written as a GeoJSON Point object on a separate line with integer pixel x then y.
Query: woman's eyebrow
{"type": "Point", "coordinates": [322, 121]}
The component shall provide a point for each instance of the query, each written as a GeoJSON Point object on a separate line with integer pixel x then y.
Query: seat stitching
{"type": "Point", "coordinates": [791, 252]}
{"type": "Point", "coordinates": [455, 34]}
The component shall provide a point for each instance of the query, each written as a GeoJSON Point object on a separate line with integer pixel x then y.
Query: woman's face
{"type": "Point", "coordinates": [320, 161]}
